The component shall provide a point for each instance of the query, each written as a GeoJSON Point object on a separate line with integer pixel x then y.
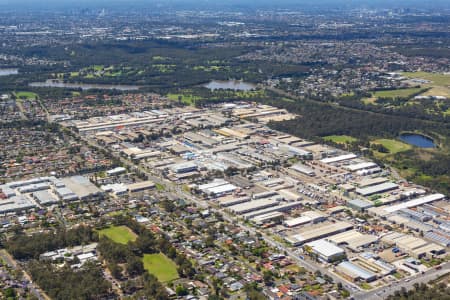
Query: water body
{"type": "Point", "coordinates": [236, 85]}
{"type": "Point", "coordinates": [84, 86]}
{"type": "Point", "coordinates": [6, 72]}
{"type": "Point", "coordinates": [417, 140]}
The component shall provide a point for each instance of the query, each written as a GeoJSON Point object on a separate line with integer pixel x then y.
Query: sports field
{"type": "Point", "coordinates": [119, 234]}
{"type": "Point", "coordinates": [160, 266]}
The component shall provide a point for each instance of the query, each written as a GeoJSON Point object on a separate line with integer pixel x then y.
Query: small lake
{"type": "Point", "coordinates": [236, 85]}
{"type": "Point", "coordinates": [6, 72]}
{"type": "Point", "coordinates": [84, 86]}
{"type": "Point", "coordinates": [417, 140]}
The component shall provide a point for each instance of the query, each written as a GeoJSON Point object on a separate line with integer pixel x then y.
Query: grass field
{"type": "Point", "coordinates": [26, 95]}
{"type": "Point", "coordinates": [119, 234]}
{"type": "Point", "coordinates": [436, 78]}
{"type": "Point", "coordinates": [160, 266]}
{"type": "Point", "coordinates": [396, 93]}
{"type": "Point", "coordinates": [340, 139]}
{"type": "Point", "coordinates": [186, 99]}
{"type": "Point", "coordinates": [393, 146]}
{"type": "Point", "coordinates": [439, 86]}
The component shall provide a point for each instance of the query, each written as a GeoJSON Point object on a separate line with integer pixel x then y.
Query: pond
{"type": "Point", "coordinates": [236, 85]}
{"type": "Point", "coordinates": [84, 86]}
{"type": "Point", "coordinates": [6, 72]}
{"type": "Point", "coordinates": [417, 140]}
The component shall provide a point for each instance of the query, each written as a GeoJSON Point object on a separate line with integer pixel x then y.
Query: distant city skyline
{"type": "Point", "coordinates": [232, 4]}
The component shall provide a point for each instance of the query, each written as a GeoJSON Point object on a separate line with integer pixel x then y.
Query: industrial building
{"type": "Point", "coordinates": [415, 202]}
{"type": "Point", "coordinates": [360, 205]}
{"type": "Point", "coordinates": [353, 240]}
{"type": "Point", "coordinates": [376, 189]}
{"type": "Point", "coordinates": [355, 272]}
{"type": "Point", "coordinates": [414, 246]}
{"type": "Point", "coordinates": [317, 232]}
{"type": "Point", "coordinates": [185, 167]}
{"type": "Point", "coordinates": [339, 158]}
{"type": "Point", "coordinates": [325, 250]}
{"type": "Point", "coordinates": [20, 196]}
{"type": "Point", "coordinates": [141, 186]}
{"type": "Point", "coordinates": [303, 169]}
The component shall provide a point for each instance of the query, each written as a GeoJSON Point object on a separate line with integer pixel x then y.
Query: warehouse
{"type": "Point", "coordinates": [354, 240]}
{"type": "Point", "coordinates": [361, 166]}
{"type": "Point", "coordinates": [355, 272]}
{"type": "Point", "coordinates": [141, 186]}
{"type": "Point", "coordinates": [66, 194]}
{"type": "Point", "coordinates": [279, 208]}
{"type": "Point", "coordinates": [116, 171]}
{"type": "Point", "coordinates": [252, 206]}
{"type": "Point", "coordinates": [297, 221]}
{"type": "Point", "coordinates": [375, 189]}
{"type": "Point", "coordinates": [269, 217]}
{"type": "Point", "coordinates": [45, 198]}
{"type": "Point", "coordinates": [326, 251]}
{"type": "Point", "coordinates": [15, 204]}
{"type": "Point", "coordinates": [359, 205]}
{"type": "Point", "coordinates": [415, 202]}
{"type": "Point", "coordinates": [216, 182]}
{"type": "Point", "coordinates": [184, 167]}
{"type": "Point", "coordinates": [303, 169]}
{"type": "Point", "coordinates": [221, 190]}
{"type": "Point", "coordinates": [317, 232]}
{"type": "Point", "coordinates": [339, 158]}
{"type": "Point", "coordinates": [264, 195]}
{"type": "Point", "coordinates": [289, 195]}
{"type": "Point", "coordinates": [371, 181]}
{"type": "Point", "coordinates": [82, 187]}
{"type": "Point", "coordinates": [116, 189]}
{"type": "Point", "coordinates": [233, 201]}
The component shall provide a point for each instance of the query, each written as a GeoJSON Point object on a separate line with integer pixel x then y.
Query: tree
{"type": "Point", "coordinates": [135, 267]}
{"type": "Point", "coordinates": [181, 291]}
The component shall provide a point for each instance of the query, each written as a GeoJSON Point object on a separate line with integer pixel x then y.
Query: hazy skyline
{"type": "Point", "coordinates": [231, 4]}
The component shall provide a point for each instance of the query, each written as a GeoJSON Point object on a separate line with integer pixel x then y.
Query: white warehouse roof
{"type": "Point", "coordinates": [325, 248]}
{"type": "Point", "coordinates": [415, 202]}
{"type": "Point", "coordinates": [330, 160]}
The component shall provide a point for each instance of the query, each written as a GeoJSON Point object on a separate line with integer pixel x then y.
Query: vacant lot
{"type": "Point", "coordinates": [160, 266]}
{"type": "Point", "coordinates": [119, 234]}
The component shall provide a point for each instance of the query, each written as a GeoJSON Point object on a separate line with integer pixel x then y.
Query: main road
{"type": "Point", "coordinates": [407, 283]}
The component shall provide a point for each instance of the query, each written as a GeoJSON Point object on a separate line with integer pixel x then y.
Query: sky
{"type": "Point", "coordinates": [230, 4]}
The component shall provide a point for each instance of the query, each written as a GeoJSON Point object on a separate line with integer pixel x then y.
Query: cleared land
{"type": "Point", "coordinates": [160, 266]}
{"type": "Point", "coordinates": [340, 139]}
{"type": "Point", "coordinates": [393, 146]}
{"type": "Point", "coordinates": [119, 234]}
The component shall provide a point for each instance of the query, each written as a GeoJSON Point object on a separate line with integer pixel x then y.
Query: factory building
{"type": "Point", "coordinates": [312, 233]}
{"type": "Point", "coordinates": [325, 250]}
{"type": "Point", "coordinates": [360, 205]}
{"type": "Point", "coordinates": [376, 189]}
{"type": "Point", "coordinates": [355, 272]}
